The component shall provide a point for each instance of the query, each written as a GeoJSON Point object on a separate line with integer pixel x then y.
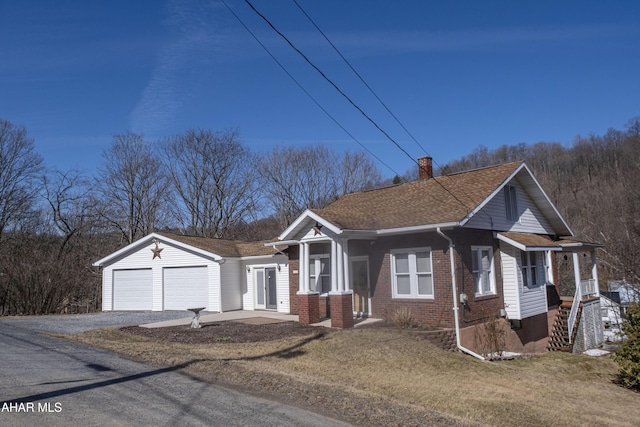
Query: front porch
{"type": "Point", "coordinates": [577, 324]}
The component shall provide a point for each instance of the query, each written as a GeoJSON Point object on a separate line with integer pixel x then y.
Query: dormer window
{"type": "Point", "coordinates": [511, 202]}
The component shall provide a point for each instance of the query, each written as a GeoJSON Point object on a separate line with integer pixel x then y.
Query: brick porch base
{"type": "Point", "coordinates": [308, 308]}
{"type": "Point", "coordinates": [341, 311]}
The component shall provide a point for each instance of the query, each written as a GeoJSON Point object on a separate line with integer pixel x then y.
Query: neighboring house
{"type": "Point", "coordinates": [456, 250]}
{"type": "Point", "coordinates": [174, 272]}
{"type": "Point", "coordinates": [611, 308]}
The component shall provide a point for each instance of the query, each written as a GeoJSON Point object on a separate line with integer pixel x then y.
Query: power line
{"type": "Point", "coordinates": [329, 80]}
{"type": "Point", "coordinates": [361, 78]}
{"type": "Point", "coordinates": [341, 92]}
{"type": "Point", "coordinates": [306, 92]}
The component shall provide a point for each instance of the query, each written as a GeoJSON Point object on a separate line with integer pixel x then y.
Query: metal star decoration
{"type": "Point", "coordinates": [156, 251]}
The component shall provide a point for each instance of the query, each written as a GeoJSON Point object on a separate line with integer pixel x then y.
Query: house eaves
{"type": "Point", "coordinates": [145, 241]}
{"type": "Point", "coordinates": [537, 194]}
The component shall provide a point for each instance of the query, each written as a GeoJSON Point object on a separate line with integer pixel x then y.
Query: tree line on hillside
{"type": "Point", "coordinates": [55, 224]}
{"type": "Point", "coordinates": [595, 184]}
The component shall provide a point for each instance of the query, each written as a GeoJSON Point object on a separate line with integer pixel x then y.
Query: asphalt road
{"type": "Point", "coordinates": [51, 381]}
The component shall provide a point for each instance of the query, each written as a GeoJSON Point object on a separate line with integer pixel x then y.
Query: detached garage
{"type": "Point", "coordinates": [173, 272]}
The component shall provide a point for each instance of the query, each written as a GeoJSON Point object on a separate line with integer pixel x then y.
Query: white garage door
{"type": "Point", "coordinates": [132, 289]}
{"type": "Point", "coordinates": [185, 287]}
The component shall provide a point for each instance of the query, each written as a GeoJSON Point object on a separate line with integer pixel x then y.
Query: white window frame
{"type": "Point", "coordinates": [511, 203]}
{"type": "Point", "coordinates": [527, 270]}
{"type": "Point", "coordinates": [478, 273]}
{"type": "Point", "coordinates": [413, 273]}
{"type": "Point", "coordinates": [315, 280]}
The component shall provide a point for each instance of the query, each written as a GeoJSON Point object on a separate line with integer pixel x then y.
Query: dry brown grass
{"type": "Point", "coordinates": [401, 374]}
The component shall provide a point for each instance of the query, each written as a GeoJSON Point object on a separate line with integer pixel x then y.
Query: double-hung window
{"type": "Point", "coordinates": [482, 268]}
{"type": "Point", "coordinates": [320, 273]}
{"type": "Point", "coordinates": [511, 202]}
{"type": "Point", "coordinates": [411, 273]}
{"type": "Point", "coordinates": [533, 268]}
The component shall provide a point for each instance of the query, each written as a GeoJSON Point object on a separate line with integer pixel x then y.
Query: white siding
{"type": "Point", "coordinates": [510, 285]}
{"type": "Point", "coordinates": [230, 289]}
{"type": "Point", "coordinates": [520, 302]}
{"type": "Point", "coordinates": [282, 282]}
{"type": "Point", "coordinates": [169, 257]}
{"type": "Point", "coordinates": [493, 215]}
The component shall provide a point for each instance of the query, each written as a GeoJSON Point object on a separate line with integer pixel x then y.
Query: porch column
{"type": "Point", "coordinates": [308, 308]}
{"type": "Point", "coordinates": [303, 285]}
{"type": "Point", "coordinates": [341, 299]}
{"type": "Point", "coordinates": [345, 256]}
{"type": "Point", "coordinates": [594, 272]}
{"type": "Point", "coordinates": [340, 266]}
{"type": "Point", "coordinates": [334, 267]}
{"type": "Point", "coordinates": [576, 270]}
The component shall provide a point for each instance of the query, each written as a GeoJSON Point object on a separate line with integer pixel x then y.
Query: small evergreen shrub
{"type": "Point", "coordinates": [628, 354]}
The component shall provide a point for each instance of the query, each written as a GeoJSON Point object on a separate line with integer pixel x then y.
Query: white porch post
{"type": "Point", "coordinates": [303, 267]}
{"type": "Point", "coordinates": [340, 266]}
{"type": "Point", "coordinates": [345, 262]}
{"type": "Point", "coordinates": [576, 269]}
{"type": "Point", "coordinates": [594, 272]}
{"type": "Point", "coordinates": [334, 267]}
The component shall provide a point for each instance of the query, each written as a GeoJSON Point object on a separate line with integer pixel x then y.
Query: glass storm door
{"type": "Point", "coordinates": [360, 282]}
{"type": "Point", "coordinates": [270, 288]}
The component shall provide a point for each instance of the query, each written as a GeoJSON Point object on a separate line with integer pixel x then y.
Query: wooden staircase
{"type": "Point", "coordinates": [559, 339]}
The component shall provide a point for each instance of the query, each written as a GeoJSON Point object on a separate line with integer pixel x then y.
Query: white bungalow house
{"type": "Point", "coordinates": [455, 250]}
{"type": "Point", "coordinates": [173, 272]}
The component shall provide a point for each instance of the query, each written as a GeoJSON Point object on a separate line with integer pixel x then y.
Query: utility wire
{"type": "Point", "coordinates": [361, 78]}
{"type": "Point", "coordinates": [368, 86]}
{"type": "Point", "coordinates": [306, 92]}
{"type": "Point", "coordinates": [328, 80]}
{"type": "Point", "coordinates": [264, 18]}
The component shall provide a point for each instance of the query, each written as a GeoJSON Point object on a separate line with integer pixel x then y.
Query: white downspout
{"type": "Point", "coordinates": [454, 289]}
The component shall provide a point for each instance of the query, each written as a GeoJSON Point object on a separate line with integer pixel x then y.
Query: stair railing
{"type": "Point", "coordinates": [573, 315]}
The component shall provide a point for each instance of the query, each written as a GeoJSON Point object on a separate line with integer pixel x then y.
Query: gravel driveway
{"type": "Point", "coordinates": [77, 323]}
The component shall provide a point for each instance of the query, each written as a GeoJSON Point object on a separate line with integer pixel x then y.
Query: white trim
{"type": "Point", "coordinates": [551, 247]}
{"type": "Point", "coordinates": [415, 228]}
{"type": "Point", "coordinates": [304, 216]}
{"type": "Point", "coordinates": [492, 276]}
{"type": "Point", "coordinates": [145, 240]}
{"type": "Point", "coordinates": [413, 273]}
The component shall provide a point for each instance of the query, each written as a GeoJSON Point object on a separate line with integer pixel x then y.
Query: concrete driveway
{"type": "Point", "coordinates": [51, 381]}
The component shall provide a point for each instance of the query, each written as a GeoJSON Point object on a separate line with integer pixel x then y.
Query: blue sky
{"type": "Point", "coordinates": [457, 74]}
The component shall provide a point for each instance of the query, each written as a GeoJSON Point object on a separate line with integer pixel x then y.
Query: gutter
{"type": "Point", "coordinates": [454, 289]}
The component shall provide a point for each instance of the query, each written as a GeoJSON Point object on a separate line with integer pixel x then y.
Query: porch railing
{"type": "Point", "coordinates": [588, 287]}
{"type": "Point", "coordinates": [573, 315]}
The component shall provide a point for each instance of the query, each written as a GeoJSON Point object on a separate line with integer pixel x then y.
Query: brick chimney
{"type": "Point", "coordinates": [425, 167]}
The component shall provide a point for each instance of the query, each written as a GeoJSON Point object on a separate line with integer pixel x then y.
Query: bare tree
{"type": "Point", "coordinates": [295, 179]}
{"type": "Point", "coordinates": [69, 197]}
{"type": "Point", "coordinates": [20, 166]}
{"type": "Point", "coordinates": [213, 175]}
{"type": "Point", "coordinates": [133, 187]}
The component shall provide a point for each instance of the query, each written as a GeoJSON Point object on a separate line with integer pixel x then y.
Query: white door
{"type": "Point", "coordinates": [266, 288]}
{"type": "Point", "coordinates": [185, 287]}
{"type": "Point", "coordinates": [132, 289]}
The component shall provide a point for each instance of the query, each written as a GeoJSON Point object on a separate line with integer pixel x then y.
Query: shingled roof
{"type": "Point", "coordinates": [440, 200]}
{"type": "Point", "coordinates": [225, 248]}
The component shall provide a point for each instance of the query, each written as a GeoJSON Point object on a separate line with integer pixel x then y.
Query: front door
{"type": "Point", "coordinates": [266, 294]}
{"type": "Point", "coordinates": [270, 288]}
{"type": "Point", "coordinates": [360, 281]}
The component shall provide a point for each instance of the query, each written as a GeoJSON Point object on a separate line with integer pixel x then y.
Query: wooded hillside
{"type": "Point", "coordinates": [595, 184]}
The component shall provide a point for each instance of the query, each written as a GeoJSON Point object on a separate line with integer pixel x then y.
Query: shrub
{"type": "Point", "coordinates": [404, 318]}
{"type": "Point", "coordinates": [628, 355]}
